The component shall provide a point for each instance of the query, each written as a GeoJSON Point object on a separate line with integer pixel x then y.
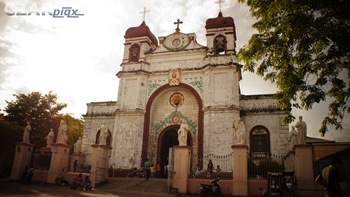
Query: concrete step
{"type": "Point", "coordinates": [137, 185]}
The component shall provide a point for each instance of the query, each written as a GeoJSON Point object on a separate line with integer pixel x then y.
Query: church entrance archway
{"type": "Point", "coordinates": [167, 139]}
{"type": "Point", "coordinates": [197, 137]}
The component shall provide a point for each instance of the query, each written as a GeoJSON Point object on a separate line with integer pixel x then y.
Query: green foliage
{"type": "Point", "coordinates": [39, 109]}
{"type": "Point", "coordinates": [303, 46]}
{"type": "Point", "coordinates": [43, 113]}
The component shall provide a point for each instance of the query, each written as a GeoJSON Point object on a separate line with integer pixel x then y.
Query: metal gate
{"type": "Point", "coordinates": [170, 169]}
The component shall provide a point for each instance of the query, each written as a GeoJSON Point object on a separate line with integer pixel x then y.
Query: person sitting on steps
{"type": "Point", "coordinates": [77, 183]}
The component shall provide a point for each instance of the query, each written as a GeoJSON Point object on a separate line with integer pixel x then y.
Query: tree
{"type": "Point", "coordinates": [39, 109]}
{"type": "Point", "coordinates": [303, 47]}
{"type": "Point", "coordinates": [10, 135]}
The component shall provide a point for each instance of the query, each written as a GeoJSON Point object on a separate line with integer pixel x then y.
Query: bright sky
{"type": "Point", "coordinates": [78, 58]}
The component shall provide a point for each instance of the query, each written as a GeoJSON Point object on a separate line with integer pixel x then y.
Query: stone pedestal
{"type": "Point", "coordinates": [304, 169]}
{"type": "Point", "coordinates": [45, 150]}
{"type": "Point", "coordinates": [59, 161]}
{"type": "Point", "coordinates": [240, 170]}
{"type": "Point", "coordinates": [182, 158]}
{"type": "Point", "coordinates": [99, 163]}
{"type": "Point", "coordinates": [22, 159]}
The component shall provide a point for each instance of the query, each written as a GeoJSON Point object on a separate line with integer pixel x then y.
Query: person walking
{"type": "Point", "coordinates": [331, 178]}
{"type": "Point", "coordinates": [148, 169]}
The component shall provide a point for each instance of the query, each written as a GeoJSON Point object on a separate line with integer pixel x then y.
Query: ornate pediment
{"type": "Point", "coordinates": [178, 42]}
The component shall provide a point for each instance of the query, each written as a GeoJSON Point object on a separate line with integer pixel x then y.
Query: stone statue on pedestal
{"type": "Point", "coordinates": [26, 133]}
{"type": "Point", "coordinates": [182, 134]}
{"type": "Point", "coordinates": [239, 133]}
{"type": "Point", "coordinates": [302, 130]}
{"type": "Point", "coordinates": [62, 133]}
{"type": "Point", "coordinates": [77, 146]}
{"type": "Point", "coordinates": [49, 138]}
{"type": "Point", "coordinates": [293, 138]}
{"type": "Point", "coordinates": [103, 135]}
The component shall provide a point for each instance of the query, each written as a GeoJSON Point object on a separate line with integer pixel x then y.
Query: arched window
{"type": "Point", "coordinates": [259, 141]}
{"type": "Point", "coordinates": [134, 53]}
{"type": "Point", "coordinates": [220, 44]}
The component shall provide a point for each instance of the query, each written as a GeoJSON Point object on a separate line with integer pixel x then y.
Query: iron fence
{"type": "Point", "coordinates": [259, 166]}
{"type": "Point", "coordinates": [222, 167]}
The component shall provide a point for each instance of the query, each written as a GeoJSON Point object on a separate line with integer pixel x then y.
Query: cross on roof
{"type": "Point", "coordinates": [144, 13]}
{"type": "Point", "coordinates": [177, 23]}
{"type": "Point", "coordinates": [220, 2]}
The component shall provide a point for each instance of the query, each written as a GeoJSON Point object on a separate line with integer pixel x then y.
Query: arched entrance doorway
{"type": "Point", "coordinates": [197, 137]}
{"type": "Point", "coordinates": [168, 139]}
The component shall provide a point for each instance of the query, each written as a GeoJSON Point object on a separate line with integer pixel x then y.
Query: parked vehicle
{"type": "Point", "coordinates": [278, 185]}
{"type": "Point", "coordinates": [212, 189]}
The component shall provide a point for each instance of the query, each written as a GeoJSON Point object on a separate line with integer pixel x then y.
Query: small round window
{"type": "Point", "coordinates": [176, 42]}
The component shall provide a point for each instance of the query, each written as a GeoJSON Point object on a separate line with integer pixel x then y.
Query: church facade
{"type": "Point", "coordinates": [174, 80]}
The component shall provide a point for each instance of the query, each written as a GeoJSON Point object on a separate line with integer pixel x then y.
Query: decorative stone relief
{"type": "Point", "coordinates": [174, 76]}
{"type": "Point", "coordinates": [153, 85]}
{"type": "Point", "coordinates": [197, 83]}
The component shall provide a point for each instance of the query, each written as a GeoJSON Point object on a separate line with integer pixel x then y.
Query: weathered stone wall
{"type": "Point", "coordinates": [218, 131]}
{"type": "Point", "coordinates": [127, 143]}
{"type": "Point", "coordinates": [98, 114]}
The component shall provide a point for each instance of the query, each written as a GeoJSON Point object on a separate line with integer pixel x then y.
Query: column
{"type": "Point", "coordinates": [240, 170]}
{"type": "Point", "coordinates": [182, 158]}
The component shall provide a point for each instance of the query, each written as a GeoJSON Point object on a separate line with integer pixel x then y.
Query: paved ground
{"type": "Point", "coordinates": [146, 189]}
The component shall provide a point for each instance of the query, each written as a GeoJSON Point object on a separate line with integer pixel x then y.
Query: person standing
{"type": "Point", "coordinates": [148, 169]}
{"type": "Point", "coordinates": [153, 170]}
{"type": "Point", "coordinates": [210, 168]}
{"type": "Point", "coordinates": [158, 170]}
{"type": "Point", "coordinates": [331, 178]}
{"type": "Point", "coordinates": [75, 165]}
{"type": "Point", "coordinates": [218, 171]}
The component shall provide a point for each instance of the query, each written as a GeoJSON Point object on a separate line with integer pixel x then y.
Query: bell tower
{"type": "Point", "coordinates": [221, 35]}
{"type": "Point", "coordinates": [138, 41]}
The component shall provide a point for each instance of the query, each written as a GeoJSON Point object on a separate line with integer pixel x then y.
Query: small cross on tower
{"type": "Point", "coordinates": [144, 13]}
{"type": "Point", "coordinates": [177, 23]}
{"type": "Point", "coordinates": [220, 2]}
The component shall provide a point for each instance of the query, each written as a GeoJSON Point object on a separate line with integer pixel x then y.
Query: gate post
{"type": "Point", "coordinates": [240, 170]}
{"type": "Point", "coordinates": [182, 156]}
{"type": "Point", "coordinates": [59, 161]}
{"type": "Point", "coordinates": [22, 159]}
{"type": "Point", "coordinates": [304, 169]}
{"type": "Point", "coordinates": [99, 164]}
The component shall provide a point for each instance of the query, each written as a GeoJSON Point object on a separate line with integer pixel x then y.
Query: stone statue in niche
{"type": "Point", "coordinates": [182, 134]}
{"type": "Point", "coordinates": [26, 133]}
{"type": "Point", "coordinates": [49, 138]}
{"type": "Point", "coordinates": [239, 133]}
{"type": "Point", "coordinates": [302, 130]}
{"type": "Point", "coordinates": [293, 138]}
{"type": "Point", "coordinates": [103, 135]}
{"type": "Point", "coordinates": [77, 146]}
{"type": "Point", "coordinates": [62, 133]}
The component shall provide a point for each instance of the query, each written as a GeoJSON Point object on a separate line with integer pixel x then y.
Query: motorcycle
{"type": "Point", "coordinates": [213, 188]}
